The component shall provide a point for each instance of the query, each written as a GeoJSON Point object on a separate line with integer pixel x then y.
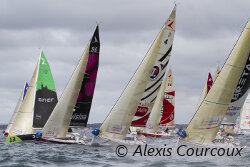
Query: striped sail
{"type": "Point", "coordinates": [245, 115]}
{"type": "Point", "coordinates": [205, 123]}
{"type": "Point", "coordinates": [23, 120]}
{"type": "Point", "coordinates": [154, 80]}
{"type": "Point", "coordinates": [168, 103]}
{"type": "Point", "coordinates": [119, 119]}
{"type": "Point", "coordinates": [59, 120]}
{"type": "Point", "coordinates": [20, 100]}
{"type": "Point", "coordinates": [155, 115]}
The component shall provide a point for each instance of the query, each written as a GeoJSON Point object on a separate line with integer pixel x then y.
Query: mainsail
{"type": "Point", "coordinates": [155, 115]}
{"type": "Point", "coordinates": [205, 123]}
{"type": "Point", "coordinates": [20, 100]}
{"type": "Point", "coordinates": [23, 120]}
{"type": "Point", "coordinates": [245, 115]}
{"type": "Point", "coordinates": [84, 100]}
{"type": "Point", "coordinates": [158, 71]}
{"type": "Point", "coordinates": [168, 103]}
{"type": "Point", "coordinates": [119, 119]}
{"type": "Point", "coordinates": [206, 88]}
{"type": "Point", "coordinates": [59, 120]}
{"type": "Point", "coordinates": [46, 98]}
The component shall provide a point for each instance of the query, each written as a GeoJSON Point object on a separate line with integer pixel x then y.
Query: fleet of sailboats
{"type": "Point", "coordinates": [229, 85]}
{"type": "Point", "coordinates": [148, 101]}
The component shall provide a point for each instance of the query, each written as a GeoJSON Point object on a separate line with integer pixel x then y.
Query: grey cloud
{"type": "Point", "coordinates": [206, 31]}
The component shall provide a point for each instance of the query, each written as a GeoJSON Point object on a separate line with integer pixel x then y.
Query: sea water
{"type": "Point", "coordinates": [42, 154]}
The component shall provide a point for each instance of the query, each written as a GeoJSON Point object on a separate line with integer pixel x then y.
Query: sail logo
{"type": "Point", "coordinates": [117, 129]}
{"type": "Point", "coordinates": [155, 72]}
{"type": "Point", "coordinates": [170, 24]}
{"type": "Point", "coordinates": [166, 41]}
{"type": "Point", "coordinates": [212, 123]}
{"type": "Point", "coordinates": [243, 83]}
{"type": "Point", "coordinates": [141, 111]}
{"type": "Point", "coordinates": [79, 117]}
{"type": "Point", "coordinates": [45, 100]}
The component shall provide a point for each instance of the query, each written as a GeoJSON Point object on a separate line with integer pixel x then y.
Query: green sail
{"type": "Point", "coordinates": [46, 97]}
{"type": "Point", "coordinates": [45, 75]}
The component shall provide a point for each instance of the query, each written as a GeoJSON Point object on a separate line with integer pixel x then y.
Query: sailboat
{"type": "Point", "coordinates": [20, 100]}
{"type": "Point", "coordinates": [116, 126]}
{"type": "Point", "coordinates": [205, 124]}
{"type": "Point", "coordinates": [154, 81]}
{"type": "Point", "coordinates": [39, 101]}
{"type": "Point", "coordinates": [76, 96]}
{"type": "Point", "coordinates": [162, 113]}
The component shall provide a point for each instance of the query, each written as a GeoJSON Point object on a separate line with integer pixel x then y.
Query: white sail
{"type": "Point", "coordinates": [159, 69]}
{"type": "Point", "coordinates": [155, 115]}
{"type": "Point", "coordinates": [18, 105]}
{"type": "Point", "coordinates": [58, 123]}
{"type": "Point", "coordinates": [205, 123]}
{"type": "Point", "coordinates": [234, 109]}
{"type": "Point", "coordinates": [217, 73]}
{"type": "Point", "coordinates": [245, 115]}
{"type": "Point", "coordinates": [119, 119]}
{"type": "Point", "coordinates": [24, 117]}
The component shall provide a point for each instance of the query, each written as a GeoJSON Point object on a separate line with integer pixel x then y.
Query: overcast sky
{"type": "Point", "coordinates": [206, 31]}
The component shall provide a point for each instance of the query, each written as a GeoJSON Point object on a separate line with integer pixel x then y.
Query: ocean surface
{"type": "Point", "coordinates": [45, 154]}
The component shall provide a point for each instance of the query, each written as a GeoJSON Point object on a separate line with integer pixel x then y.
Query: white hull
{"type": "Point", "coordinates": [72, 138]}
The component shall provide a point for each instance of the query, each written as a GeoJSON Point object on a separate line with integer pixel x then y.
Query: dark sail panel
{"type": "Point", "coordinates": [46, 98]}
{"type": "Point", "coordinates": [84, 101]}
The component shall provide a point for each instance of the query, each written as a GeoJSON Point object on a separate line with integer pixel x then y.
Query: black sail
{"type": "Point", "coordinates": [84, 101]}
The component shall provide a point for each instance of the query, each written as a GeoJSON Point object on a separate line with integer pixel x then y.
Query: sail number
{"type": "Point", "coordinates": [94, 49]}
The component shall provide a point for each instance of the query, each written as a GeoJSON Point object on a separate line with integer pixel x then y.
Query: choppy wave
{"type": "Point", "coordinates": [37, 154]}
